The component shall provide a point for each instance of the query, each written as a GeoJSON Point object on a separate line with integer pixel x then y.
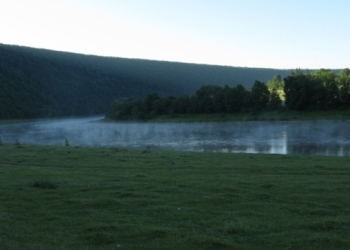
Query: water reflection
{"type": "Point", "coordinates": [317, 137]}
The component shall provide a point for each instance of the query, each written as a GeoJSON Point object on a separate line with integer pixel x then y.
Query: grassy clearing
{"type": "Point", "coordinates": [107, 198]}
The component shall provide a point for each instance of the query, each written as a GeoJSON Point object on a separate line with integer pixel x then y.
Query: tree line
{"type": "Point", "coordinates": [319, 90]}
{"type": "Point", "coordinates": [209, 99]}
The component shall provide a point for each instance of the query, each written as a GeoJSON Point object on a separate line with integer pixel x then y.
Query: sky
{"type": "Point", "coordinates": [281, 34]}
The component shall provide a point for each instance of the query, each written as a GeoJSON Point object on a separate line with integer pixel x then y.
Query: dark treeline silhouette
{"type": "Point", "coordinates": [209, 99]}
{"type": "Point", "coordinates": [320, 90]}
{"type": "Point", "coordinates": [43, 83]}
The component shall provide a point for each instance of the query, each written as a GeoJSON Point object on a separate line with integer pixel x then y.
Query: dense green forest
{"type": "Point", "coordinates": [43, 83]}
{"type": "Point", "coordinates": [319, 90]}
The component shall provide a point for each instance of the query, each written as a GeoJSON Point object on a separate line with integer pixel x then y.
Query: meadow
{"type": "Point", "coordinates": [64, 197]}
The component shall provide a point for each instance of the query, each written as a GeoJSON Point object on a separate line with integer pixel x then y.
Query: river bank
{"type": "Point", "coordinates": [286, 115]}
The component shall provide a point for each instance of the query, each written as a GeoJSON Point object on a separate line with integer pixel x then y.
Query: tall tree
{"type": "Point", "coordinates": [182, 105]}
{"type": "Point", "coordinates": [328, 79]}
{"type": "Point", "coordinates": [235, 98]}
{"type": "Point", "coordinates": [208, 99]}
{"type": "Point", "coordinates": [151, 103]}
{"type": "Point", "coordinates": [298, 90]}
{"type": "Point", "coordinates": [275, 101]}
{"type": "Point", "coordinates": [275, 83]}
{"type": "Point", "coordinates": [343, 82]}
{"type": "Point", "coordinates": [260, 96]}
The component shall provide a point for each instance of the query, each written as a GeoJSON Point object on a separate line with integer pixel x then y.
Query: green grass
{"type": "Point", "coordinates": [106, 198]}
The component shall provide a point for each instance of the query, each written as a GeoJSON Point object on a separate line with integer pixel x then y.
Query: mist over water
{"type": "Point", "coordinates": [307, 137]}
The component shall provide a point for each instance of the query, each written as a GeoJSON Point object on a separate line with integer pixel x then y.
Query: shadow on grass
{"type": "Point", "coordinates": [44, 184]}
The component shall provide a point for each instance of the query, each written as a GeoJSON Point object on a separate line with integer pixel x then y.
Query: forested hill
{"type": "Point", "coordinates": [44, 83]}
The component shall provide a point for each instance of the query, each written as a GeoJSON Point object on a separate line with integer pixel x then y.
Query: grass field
{"type": "Point", "coordinates": [65, 197]}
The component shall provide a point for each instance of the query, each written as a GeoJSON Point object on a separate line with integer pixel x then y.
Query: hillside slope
{"type": "Point", "coordinates": [44, 83]}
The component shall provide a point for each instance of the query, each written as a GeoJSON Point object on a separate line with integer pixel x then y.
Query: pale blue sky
{"type": "Point", "coordinates": [293, 34]}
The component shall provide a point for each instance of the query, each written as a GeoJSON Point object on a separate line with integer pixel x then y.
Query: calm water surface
{"type": "Point", "coordinates": [310, 137]}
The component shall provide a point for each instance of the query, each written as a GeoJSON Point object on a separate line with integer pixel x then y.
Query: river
{"type": "Point", "coordinates": [287, 137]}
